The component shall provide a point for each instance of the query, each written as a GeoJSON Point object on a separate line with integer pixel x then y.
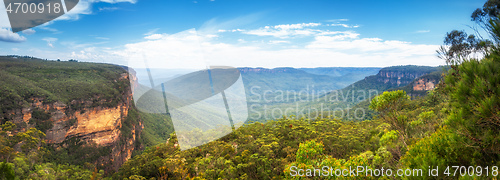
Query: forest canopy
{"type": "Point", "coordinates": [455, 124]}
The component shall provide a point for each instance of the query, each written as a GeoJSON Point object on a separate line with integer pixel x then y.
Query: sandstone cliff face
{"type": "Point", "coordinates": [398, 77]}
{"type": "Point", "coordinates": [99, 125]}
{"type": "Point", "coordinates": [421, 85]}
{"type": "Point", "coordinates": [424, 84]}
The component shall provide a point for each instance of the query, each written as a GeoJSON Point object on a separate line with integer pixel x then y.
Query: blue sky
{"type": "Point", "coordinates": [254, 33]}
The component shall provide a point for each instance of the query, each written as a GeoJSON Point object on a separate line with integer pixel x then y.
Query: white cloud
{"type": "Point", "coordinates": [77, 46]}
{"type": "Point", "coordinates": [44, 27]}
{"type": "Point", "coordinates": [278, 42]}
{"type": "Point", "coordinates": [96, 54]}
{"type": "Point", "coordinates": [349, 34]}
{"type": "Point", "coordinates": [8, 36]}
{"type": "Point", "coordinates": [345, 25]}
{"type": "Point", "coordinates": [190, 49]}
{"type": "Point", "coordinates": [108, 8]}
{"type": "Point", "coordinates": [295, 26]}
{"type": "Point", "coordinates": [180, 50]}
{"type": "Point", "coordinates": [154, 36]}
{"type": "Point", "coordinates": [4, 19]}
{"type": "Point", "coordinates": [230, 30]}
{"type": "Point", "coordinates": [285, 30]}
{"type": "Point", "coordinates": [370, 45]}
{"type": "Point", "coordinates": [337, 20]}
{"type": "Point", "coordinates": [214, 25]}
{"type": "Point", "coordinates": [211, 35]}
{"type": "Point", "coordinates": [422, 31]}
{"type": "Point", "coordinates": [50, 41]}
{"type": "Point", "coordinates": [152, 31]}
{"type": "Point", "coordinates": [29, 31]}
{"type": "Point", "coordinates": [279, 33]}
{"type": "Point", "coordinates": [102, 38]}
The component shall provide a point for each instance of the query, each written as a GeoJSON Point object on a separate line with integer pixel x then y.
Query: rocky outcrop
{"type": "Point", "coordinates": [98, 125]}
{"type": "Point", "coordinates": [402, 75]}
{"type": "Point", "coordinates": [421, 85]}
{"type": "Point", "coordinates": [398, 77]}
{"type": "Point", "coordinates": [424, 84]}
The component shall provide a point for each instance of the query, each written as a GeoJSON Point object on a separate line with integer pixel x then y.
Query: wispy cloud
{"type": "Point", "coordinates": [102, 38]}
{"type": "Point", "coordinates": [230, 30]}
{"type": "Point", "coordinates": [268, 46]}
{"type": "Point", "coordinates": [285, 30]}
{"type": "Point", "coordinates": [303, 29]}
{"type": "Point", "coordinates": [154, 36]}
{"type": "Point", "coordinates": [50, 41]}
{"type": "Point", "coordinates": [152, 31]}
{"type": "Point", "coordinates": [422, 31]}
{"type": "Point", "coordinates": [76, 45]}
{"type": "Point", "coordinates": [108, 8]}
{"type": "Point", "coordinates": [325, 48]}
{"type": "Point", "coordinates": [214, 25]}
{"type": "Point", "coordinates": [295, 26]}
{"type": "Point", "coordinates": [84, 7]}
{"type": "Point", "coordinates": [337, 20]}
{"type": "Point", "coordinates": [29, 31]}
{"type": "Point", "coordinates": [45, 27]}
{"type": "Point", "coordinates": [278, 42]}
{"type": "Point", "coordinates": [7, 35]}
{"type": "Point", "coordinates": [344, 25]}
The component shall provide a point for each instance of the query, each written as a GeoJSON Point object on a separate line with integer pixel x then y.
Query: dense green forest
{"type": "Point", "coordinates": [456, 124]}
{"type": "Point", "coordinates": [24, 78]}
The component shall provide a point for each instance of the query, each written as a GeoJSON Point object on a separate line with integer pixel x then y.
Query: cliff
{"type": "Point", "coordinates": [421, 85]}
{"type": "Point", "coordinates": [402, 75]}
{"type": "Point", "coordinates": [94, 113]}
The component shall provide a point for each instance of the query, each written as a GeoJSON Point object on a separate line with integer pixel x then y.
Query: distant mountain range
{"type": "Point", "coordinates": [272, 93]}
{"type": "Point", "coordinates": [292, 79]}
{"type": "Point", "coordinates": [416, 80]}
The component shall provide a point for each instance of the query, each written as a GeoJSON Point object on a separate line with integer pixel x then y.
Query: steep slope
{"type": "Point", "coordinates": [421, 85]}
{"type": "Point", "coordinates": [342, 103]}
{"type": "Point", "coordinates": [284, 87]}
{"type": "Point", "coordinates": [72, 102]}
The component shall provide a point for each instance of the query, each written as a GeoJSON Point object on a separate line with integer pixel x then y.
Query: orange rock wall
{"type": "Point", "coordinates": [97, 125]}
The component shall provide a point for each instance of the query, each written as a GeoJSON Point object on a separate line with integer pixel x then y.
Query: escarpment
{"type": "Point", "coordinates": [96, 112]}
{"type": "Point", "coordinates": [424, 84]}
{"type": "Point", "coordinates": [402, 75]}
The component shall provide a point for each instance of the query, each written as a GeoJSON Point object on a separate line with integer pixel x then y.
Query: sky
{"type": "Point", "coordinates": [245, 33]}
